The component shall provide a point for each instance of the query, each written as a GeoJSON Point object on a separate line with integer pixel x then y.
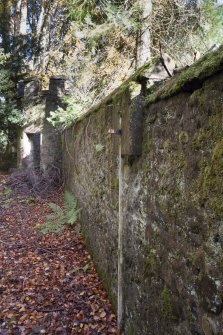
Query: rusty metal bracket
{"type": "Point", "coordinates": [115, 132]}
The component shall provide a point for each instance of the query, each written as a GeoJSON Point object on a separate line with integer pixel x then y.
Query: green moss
{"type": "Point", "coordinates": [183, 137]}
{"type": "Point", "coordinates": [169, 146]}
{"type": "Point", "coordinates": [207, 189]}
{"type": "Point", "coordinates": [178, 160]}
{"type": "Point", "coordinates": [109, 285]}
{"type": "Point", "coordinates": [130, 330]}
{"type": "Point", "coordinates": [98, 191]}
{"type": "Point", "coordinates": [197, 258]}
{"type": "Point", "coordinates": [198, 139]}
{"type": "Point", "coordinates": [147, 144]}
{"type": "Point", "coordinates": [220, 264]}
{"type": "Point", "coordinates": [134, 89]}
{"type": "Point", "coordinates": [114, 183]}
{"type": "Point", "coordinates": [146, 169]}
{"type": "Point", "coordinates": [167, 306]}
{"type": "Point", "coordinates": [108, 281]}
{"type": "Point", "coordinates": [199, 97]}
{"type": "Point", "coordinates": [115, 205]}
{"type": "Point", "coordinates": [202, 69]}
{"type": "Point", "coordinates": [171, 191]}
{"type": "Point", "coordinates": [150, 261]}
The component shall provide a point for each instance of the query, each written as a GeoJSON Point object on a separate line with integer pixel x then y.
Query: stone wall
{"type": "Point", "coordinates": [39, 143]}
{"type": "Point", "coordinates": [172, 200]}
{"type": "Point", "coordinates": [32, 101]}
{"type": "Point", "coordinates": [91, 168]}
{"type": "Point", "coordinates": [51, 153]}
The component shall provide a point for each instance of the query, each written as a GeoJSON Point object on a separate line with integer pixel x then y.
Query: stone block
{"type": "Point", "coordinates": [132, 123]}
{"type": "Point", "coordinates": [57, 85]}
{"type": "Point", "coordinates": [32, 88]}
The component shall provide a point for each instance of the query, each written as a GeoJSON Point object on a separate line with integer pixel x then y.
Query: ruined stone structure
{"type": "Point", "coordinates": [39, 144]}
{"type": "Point", "coordinates": [149, 181]}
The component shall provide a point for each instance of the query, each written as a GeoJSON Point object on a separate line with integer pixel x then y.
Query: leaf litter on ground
{"type": "Point", "coordinates": [48, 283]}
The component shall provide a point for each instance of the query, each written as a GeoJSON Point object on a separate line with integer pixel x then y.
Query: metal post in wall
{"type": "Point", "coordinates": [120, 236]}
{"type": "Point", "coordinates": [120, 305]}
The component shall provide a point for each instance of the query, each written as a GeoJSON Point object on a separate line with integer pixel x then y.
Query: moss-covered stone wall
{"type": "Point", "coordinates": [91, 169]}
{"type": "Point", "coordinates": [173, 208]}
{"type": "Point", "coordinates": [174, 217]}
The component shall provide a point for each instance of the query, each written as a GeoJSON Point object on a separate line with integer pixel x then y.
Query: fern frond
{"type": "Point", "coordinates": [59, 217]}
{"type": "Point", "coordinates": [70, 200]}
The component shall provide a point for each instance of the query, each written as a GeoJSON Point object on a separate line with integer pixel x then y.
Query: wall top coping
{"type": "Point", "coordinates": [189, 79]}
{"type": "Point", "coordinates": [30, 79]}
{"type": "Point", "coordinates": [58, 77]}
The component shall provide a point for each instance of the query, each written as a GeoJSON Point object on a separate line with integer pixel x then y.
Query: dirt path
{"type": "Point", "coordinates": [48, 283]}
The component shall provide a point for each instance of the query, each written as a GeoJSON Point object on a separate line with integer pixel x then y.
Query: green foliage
{"type": "Point", "coordinates": [99, 147]}
{"type": "Point", "coordinates": [99, 11]}
{"type": "Point", "coordinates": [195, 26]}
{"type": "Point", "coordinates": [103, 33]}
{"type": "Point", "coordinates": [64, 117]}
{"type": "Point", "coordinates": [79, 9]}
{"type": "Point", "coordinates": [61, 216]}
{"type": "Point", "coordinates": [84, 268]}
{"type": "Point", "coordinates": [105, 36]}
{"type": "Point", "coordinates": [7, 191]}
{"type": "Point", "coordinates": [126, 18]}
{"type": "Point", "coordinates": [7, 204]}
{"type": "Point", "coordinates": [3, 57]}
{"type": "Point", "coordinates": [211, 22]}
{"type": "Point", "coordinates": [3, 140]}
{"type": "Point", "coordinates": [93, 20]}
{"type": "Point", "coordinates": [9, 114]}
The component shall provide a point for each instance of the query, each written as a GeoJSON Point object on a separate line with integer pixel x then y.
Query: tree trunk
{"type": "Point", "coordinates": [23, 18]}
{"type": "Point", "coordinates": [144, 37]}
{"type": "Point", "coordinates": [47, 14]}
{"type": "Point", "coordinates": [5, 25]}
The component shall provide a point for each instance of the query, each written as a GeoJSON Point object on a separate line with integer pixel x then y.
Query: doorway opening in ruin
{"type": "Point", "coordinates": [34, 144]}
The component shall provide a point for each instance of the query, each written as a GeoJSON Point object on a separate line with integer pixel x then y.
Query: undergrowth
{"type": "Point", "coordinates": [61, 216]}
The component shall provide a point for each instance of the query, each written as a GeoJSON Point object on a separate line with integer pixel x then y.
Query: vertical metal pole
{"type": "Point", "coordinates": [120, 236]}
